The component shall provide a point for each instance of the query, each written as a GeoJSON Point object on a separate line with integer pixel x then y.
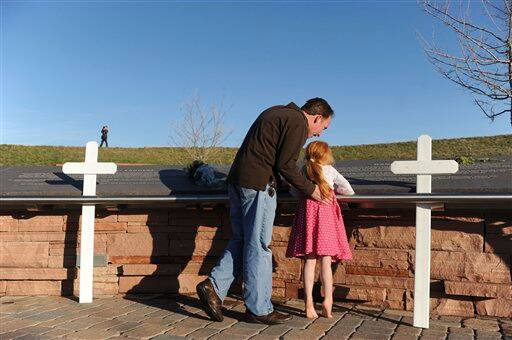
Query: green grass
{"type": "Point", "coordinates": [474, 147]}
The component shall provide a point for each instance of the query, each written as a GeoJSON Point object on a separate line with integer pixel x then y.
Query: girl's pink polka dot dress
{"type": "Point", "coordinates": [319, 229]}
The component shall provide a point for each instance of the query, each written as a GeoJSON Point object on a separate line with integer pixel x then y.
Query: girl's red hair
{"type": "Point", "coordinates": [318, 153]}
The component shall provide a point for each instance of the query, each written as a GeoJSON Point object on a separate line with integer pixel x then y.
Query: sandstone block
{"type": "Point", "coordinates": [380, 281]}
{"type": "Point", "coordinates": [198, 268]}
{"type": "Point", "coordinates": [409, 300]}
{"type": "Point", "coordinates": [37, 274]}
{"type": "Point", "coordinates": [278, 292]}
{"type": "Point", "coordinates": [48, 236]}
{"type": "Point", "coordinates": [101, 216]}
{"type": "Point", "coordinates": [152, 218]}
{"type": "Point", "coordinates": [198, 217]}
{"type": "Point", "coordinates": [103, 278]}
{"type": "Point", "coordinates": [365, 258]}
{"type": "Point", "coordinates": [113, 269]}
{"type": "Point", "coordinates": [24, 254]}
{"type": "Point", "coordinates": [137, 244]}
{"type": "Point", "coordinates": [8, 223]}
{"type": "Point", "coordinates": [446, 235]}
{"type": "Point", "coordinates": [116, 260]}
{"type": "Point", "coordinates": [394, 304]}
{"type": "Point", "coordinates": [281, 234]}
{"type": "Point", "coordinates": [60, 249]}
{"type": "Point", "coordinates": [284, 267]}
{"type": "Point", "coordinates": [134, 227]}
{"type": "Point", "coordinates": [292, 290]}
{"type": "Point", "coordinates": [278, 283]}
{"type": "Point", "coordinates": [100, 243]}
{"type": "Point", "coordinates": [100, 274]}
{"type": "Point", "coordinates": [382, 236]}
{"type": "Point", "coordinates": [495, 307]}
{"type": "Point", "coordinates": [455, 240]}
{"type": "Point", "coordinates": [394, 294]}
{"type": "Point", "coordinates": [3, 287]}
{"type": "Point", "coordinates": [467, 266]}
{"type": "Point", "coordinates": [110, 226]}
{"type": "Point", "coordinates": [466, 228]}
{"type": "Point", "coordinates": [383, 258]}
{"type": "Point", "coordinates": [202, 235]}
{"type": "Point", "coordinates": [196, 247]}
{"type": "Point", "coordinates": [41, 223]}
{"type": "Point", "coordinates": [446, 306]}
{"type": "Point", "coordinates": [188, 282]}
{"type": "Point", "coordinates": [148, 284]}
{"type": "Point", "coordinates": [150, 269]}
{"type": "Point", "coordinates": [100, 271]}
{"type": "Point", "coordinates": [377, 271]}
{"type": "Point", "coordinates": [478, 289]}
{"type": "Point", "coordinates": [98, 288]}
{"type": "Point", "coordinates": [339, 274]}
{"type": "Point", "coordinates": [278, 244]}
{"type": "Point", "coordinates": [403, 266]}
{"type": "Point", "coordinates": [34, 288]}
{"type": "Point", "coordinates": [348, 292]}
{"type": "Point", "coordinates": [369, 254]}
{"type": "Point", "coordinates": [193, 229]}
{"type": "Point", "coordinates": [62, 261]}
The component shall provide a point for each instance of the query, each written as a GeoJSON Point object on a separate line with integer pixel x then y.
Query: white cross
{"type": "Point", "coordinates": [424, 167]}
{"type": "Point", "coordinates": [90, 168]}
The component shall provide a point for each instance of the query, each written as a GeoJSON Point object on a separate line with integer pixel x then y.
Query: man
{"type": "Point", "coordinates": [271, 147]}
{"type": "Point", "coordinates": [104, 136]}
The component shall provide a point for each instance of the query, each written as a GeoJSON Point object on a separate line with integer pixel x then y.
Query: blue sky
{"type": "Point", "coordinates": [69, 67]}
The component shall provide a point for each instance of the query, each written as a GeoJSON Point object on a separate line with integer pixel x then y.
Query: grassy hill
{"type": "Point", "coordinates": [474, 147]}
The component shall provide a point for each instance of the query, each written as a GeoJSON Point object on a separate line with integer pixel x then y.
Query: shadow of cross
{"type": "Point", "coordinates": [66, 180]}
{"type": "Point", "coordinates": [424, 167]}
{"type": "Point", "coordinates": [90, 168]}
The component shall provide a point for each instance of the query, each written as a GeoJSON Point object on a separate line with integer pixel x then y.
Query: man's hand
{"type": "Point", "coordinates": [317, 195]}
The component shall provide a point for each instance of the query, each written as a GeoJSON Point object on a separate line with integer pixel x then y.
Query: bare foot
{"type": "Point", "coordinates": [310, 311]}
{"type": "Point", "coordinates": [327, 309]}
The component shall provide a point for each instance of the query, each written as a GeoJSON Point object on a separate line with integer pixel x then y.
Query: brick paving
{"type": "Point", "coordinates": [167, 317]}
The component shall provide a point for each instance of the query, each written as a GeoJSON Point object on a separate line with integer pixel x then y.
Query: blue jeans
{"type": "Point", "coordinates": [252, 215]}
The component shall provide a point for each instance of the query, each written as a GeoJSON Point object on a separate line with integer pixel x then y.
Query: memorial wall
{"type": "Point", "coordinates": [170, 248]}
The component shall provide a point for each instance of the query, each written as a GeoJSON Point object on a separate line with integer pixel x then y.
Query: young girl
{"type": "Point", "coordinates": [318, 231]}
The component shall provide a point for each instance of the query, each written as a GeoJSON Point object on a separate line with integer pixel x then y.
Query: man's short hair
{"type": "Point", "coordinates": [318, 106]}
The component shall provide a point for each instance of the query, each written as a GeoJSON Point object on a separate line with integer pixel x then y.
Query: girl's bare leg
{"type": "Point", "coordinates": [309, 277]}
{"type": "Point", "coordinates": [326, 274]}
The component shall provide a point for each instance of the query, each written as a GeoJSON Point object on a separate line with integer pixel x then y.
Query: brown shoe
{"type": "Point", "coordinates": [274, 318]}
{"type": "Point", "coordinates": [212, 304]}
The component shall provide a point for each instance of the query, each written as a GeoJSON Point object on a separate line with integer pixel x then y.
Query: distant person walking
{"type": "Point", "coordinates": [104, 136]}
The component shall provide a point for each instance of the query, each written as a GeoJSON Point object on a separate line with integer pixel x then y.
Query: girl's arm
{"type": "Point", "coordinates": [341, 185]}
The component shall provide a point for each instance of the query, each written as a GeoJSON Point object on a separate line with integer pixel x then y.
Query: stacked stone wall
{"type": "Point", "coordinates": [170, 251]}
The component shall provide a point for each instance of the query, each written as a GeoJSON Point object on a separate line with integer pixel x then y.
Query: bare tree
{"type": "Point", "coordinates": [200, 131]}
{"type": "Point", "coordinates": [482, 64]}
